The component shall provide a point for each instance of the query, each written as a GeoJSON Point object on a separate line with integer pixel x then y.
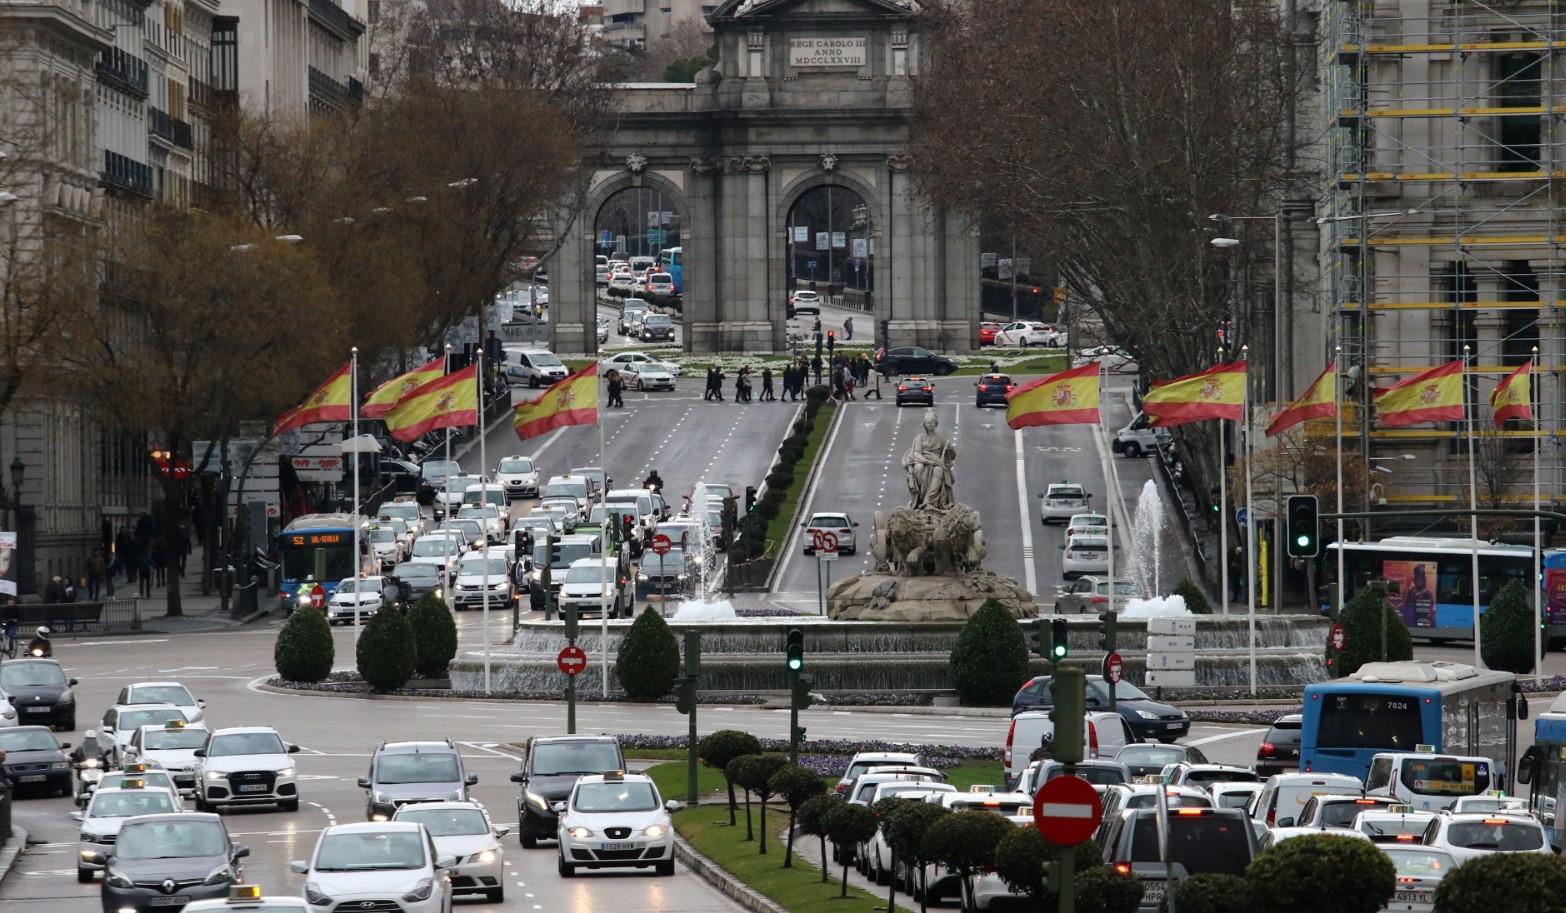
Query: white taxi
{"type": "Point", "coordinates": [616, 820]}
{"type": "Point", "coordinates": [247, 898]}
{"type": "Point", "coordinates": [171, 747]}
{"type": "Point", "coordinates": [1472, 836]}
{"type": "Point", "coordinates": [1062, 501]}
{"type": "Point", "coordinates": [110, 808]}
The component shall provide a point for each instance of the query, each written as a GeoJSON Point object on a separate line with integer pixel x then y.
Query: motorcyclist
{"type": "Point", "coordinates": [653, 482]}
{"type": "Point", "coordinates": [39, 645]}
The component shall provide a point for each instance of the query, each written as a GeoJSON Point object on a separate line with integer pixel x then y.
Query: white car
{"type": "Point", "coordinates": [475, 574]}
{"type": "Point", "coordinates": [356, 599]}
{"type": "Point", "coordinates": [448, 500]}
{"type": "Point", "coordinates": [615, 819]}
{"type": "Point", "coordinates": [587, 582]}
{"type": "Point", "coordinates": [174, 693]}
{"type": "Point", "coordinates": [441, 549]}
{"type": "Point", "coordinates": [990, 887]}
{"type": "Point", "coordinates": [1062, 501]}
{"type": "Point", "coordinates": [519, 475]}
{"type": "Point", "coordinates": [1395, 825]}
{"type": "Point", "coordinates": [603, 330]}
{"type": "Point", "coordinates": [838, 525]}
{"type": "Point", "coordinates": [660, 284]}
{"type": "Point", "coordinates": [624, 283]}
{"type": "Point", "coordinates": [1084, 522]}
{"type": "Point", "coordinates": [171, 747]}
{"type": "Point", "coordinates": [806, 302]}
{"type": "Point", "coordinates": [120, 723]}
{"type": "Point", "coordinates": [387, 543]}
{"type": "Point", "coordinates": [248, 765]}
{"type": "Point", "coordinates": [377, 865]}
{"type": "Point", "coordinates": [247, 898]}
{"type": "Point", "coordinates": [406, 511]}
{"type": "Point", "coordinates": [127, 778]}
{"type": "Point", "coordinates": [533, 367]}
{"type": "Point", "coordinates": [1085, 553]}
{"type": "Point", "coordinates": [621, 359]}
{"type": "Point", "coordinates": [109, 809]}
{"type": "Point", "coordinates": [1234, 795]}
{"type": "Point", "coordinates": [1472, 836]}
{"type": "Point", "coordinates": [489, 515]}
{"type": "Point", "coordinates": [877, 854]}
{"type": "Point", "coordinates": [462, 830]}
{"type": "Point", "coordinates": [1419, 872]}
{"type": "Point", "coordinates": [643, 376]}
{"type": "Point", "coordinates": [1025, 333]}
{"type": "Point", "coordinates": [1490, 804]}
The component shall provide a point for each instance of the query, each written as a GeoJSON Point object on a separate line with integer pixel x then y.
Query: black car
{"type": "Point", "coordinates": [1279, 751]}
{"type": "Point", "coordinates": [407, 477]}
{"type": "Point", "coordinates": [657, 326]}
{"type": "Point", "coordinates": [1200, 841]}
{"type": "Point", "coordinates": [1145, 758]}
{"type": "Point", "coordinates": [665, 576]}
{"type": "Point", "coordinates": [157, 858]}
{"type": "Point", "coordinates": [1149, 719]}
{"type": "Point", "coordinates": [414, 580]}
{"type": "Point", "coordinates": [40, 692]}
{"type": "Point", "coordinates": [914, 360]}
{"type": "Point", "coordinates": [992, 390]}
{"type": "Point", "coordinates": [548, 774]}
{"type": "Point", "coordinates": [34, 760]}
{"type": "Point", "coordinates": [915, 390]}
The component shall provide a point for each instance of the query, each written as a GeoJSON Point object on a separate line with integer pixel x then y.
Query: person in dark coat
{"type": "Point", "coordinates": [616, 385]}
{"type": "Point", "coordinates": [766, 385]}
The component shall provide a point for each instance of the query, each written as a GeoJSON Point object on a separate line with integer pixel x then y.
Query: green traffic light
{"type": "Point", "coordinates": [1060, 651]}
{"type": "Point", "coordinates": [1302, 541]}
{"type": "Point", "coordinates": [795, 663]}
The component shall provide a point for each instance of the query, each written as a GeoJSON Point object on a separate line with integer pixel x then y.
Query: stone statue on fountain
{"type": "Point", "coordinates": [928, 555]}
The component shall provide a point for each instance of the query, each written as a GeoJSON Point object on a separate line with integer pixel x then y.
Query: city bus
{"type": "Point", "coordinates": [318, 548]}
{"type": "Point", "coordinates": [672, 259]}
{"type": "Point", "coordinates": [1543, 766]}
{"type": "Point", "coordinates": [1430, 580]}
{"type": "Point", "coordinates": [1442, 707]}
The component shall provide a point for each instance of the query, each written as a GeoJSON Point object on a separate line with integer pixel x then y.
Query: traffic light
{"type": "Point", "coordinates": [1068, 686]}
{"type": "Point", "coordinates": [1110, 621]}
{"type": "Point", "coordinates": [750, 499]}
{"type": "Point", "coordinates": [796, 650]}
{"type": "Point", "coordinates": [1304, 526]}
{"type": "Point", "coordinates": [831, 341]}
{"type": "Point", "coordinates": [685, 699]}
{"type": "Point", "coordinates": [1040, 644]}
{"type": "Point", "coordinates": [1058, 646]}
{"type": "Point", "coordinates": [1213, 499]}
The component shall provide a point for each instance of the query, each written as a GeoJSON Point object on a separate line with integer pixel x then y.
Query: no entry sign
{"type": "Point", "coordinates": [1066, 810]}
{"type": "Point", "coordinates": [318, 597]}
{"type": "Point", "coordinates": [572, 660]}
{"type": "Point", "coordinates": [661, 544]}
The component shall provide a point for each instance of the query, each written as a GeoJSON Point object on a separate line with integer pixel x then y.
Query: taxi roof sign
{"type": "Point", "coordinates": [135, 768]}
{"type": "Point", "coordinates": [174, 724]}
{"type": "Point", "coordinates": [614, 775]}
{"type": "Point", "coordinates": [1424, 749]}
{"type": "Point", "coordinates": [982, 788]}
{"type": "Point", "coordinates": [244, 892]}
{"type": "Point", "coordinates": [132, 784]}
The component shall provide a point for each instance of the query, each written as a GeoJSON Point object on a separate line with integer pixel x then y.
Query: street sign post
{"type": "Point", "coordinates": [661, 545]}
{"type": "Point", "coordinates": [824, 543]}
{"type": "Point", "coordinates": [1066, 810]}
{"type": "Point", "coordinates": [572, 660]}
{"type": "Point", "coordinates": [1114, 668]}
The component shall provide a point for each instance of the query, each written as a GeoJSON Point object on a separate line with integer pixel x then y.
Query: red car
{"type": "Point", "coordinates": [987, 331]}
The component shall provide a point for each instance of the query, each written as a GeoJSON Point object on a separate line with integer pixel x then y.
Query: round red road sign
{"type": "Point", "coordinates": [1066, 810]}
{"type": "Point", "coordinates": [825, 541]}
{"type": "Point", "coordinates": [318, 597]}
{"type": "Point", "coordinates": [1114, 668]}
{"type": "Point", "coordinates": [572, 660]}
{"type": "Point", "coordinates": [1339, 638]}
{"type": "Point", "coordinates": [661, 544]}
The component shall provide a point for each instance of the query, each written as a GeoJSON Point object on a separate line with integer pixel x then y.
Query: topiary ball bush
{"type": "Point", "coordinates": [990, 657]}
{"type": "Point", "coordinates": [386, 654]}
{"type": "Point", "coordinates": [649, 659]}
{"type": "Point", "coordinates": [1211, 892]}
{"type": "Point", "coordinates": [717, 749]}
{"type": "Point", "coordinates": [434, 636]}
{"type": "Point", "coordinates": [1020, 860]}
{"type": "Point", "coordinates": [1507, 631]}
{"type": "Point", "coordinates": [1364, 618]}
{"type": "Point", "coordinates": [1509, 882]}
{"type": "Point", "coordinates": [1345, 876]}
{"type": "Point", "coordinates": [304, 650]}
{"type": "Point", "coordinates": [1195, 599]}
{"type": "Point", "coordinates": [1101, 889]}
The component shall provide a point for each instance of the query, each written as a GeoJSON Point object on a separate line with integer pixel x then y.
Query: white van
{"type": "Point", "coordinates": [1428, 782]}
{"type": "Point", "coordinates": [640, 498]}
{"type": "Point", "coordinates": [1104, 734]}
{"type": "Point", "coordinates": [1283, 796]}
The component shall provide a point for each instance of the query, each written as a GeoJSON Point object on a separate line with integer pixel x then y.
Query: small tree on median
{"type": "Point", "coordinates": [434, 636]}
{"type": "Point", "coordinates": [848, 825]}
{"type": "Point", "coordinates": [756, 777]}
{"type": "Point", "coordinates": [717, 749]}
{"type": "Point", "coordinates": [649, 658]}
{"type": "Point", "coordinates": [797, 785]}
{"type": "Point", "coordinates": [906, 838]}
{"type": "Point", "coordinates": [990, 655]}
{"type": "Point", "coordinates": [1507, 631]}
{"type": "Point", "coordinates": [812, 821]}
{"type": "Point", "coordinates": [965, 842]}
{"type": "Point", "coordinates": [1101, 889]}
{"type": "Point", "coordinates": [304, 650]}
{"type": "Point", "coordinates": [386, 654]}
{"type": "Point", "coordinates": [1510, 882]}
{"type": "Point", "coordinates": [1364, 619]}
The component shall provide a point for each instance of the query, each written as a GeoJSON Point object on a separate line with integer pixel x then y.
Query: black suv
{"type": "Point", "coordinates": [40, 691]}
{"type": "Point", "coordinates": [404, 772]}
{"type": "Point", "coordinates": [1279, 751]}
{"type": "Point", "coordinates": [550, 771]}
{"type": "Point", "coordinates": [914, 360]}
{"type": "Point", "coordinates": [1201, 840]}
{"type": "Point", "coordinates": [1149, 719]}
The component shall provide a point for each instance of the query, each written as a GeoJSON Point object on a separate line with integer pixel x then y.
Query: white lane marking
{"type": "Point", "coordinates": [117, 642]}
{"type": "Point", "coordinates": [487, 748]}
{"type": "Point", "coordinates": [1030, 573]}
{"type": "Point", "coordinates": [547, 441]}
{"type": "Point", "coordinates": [1226, 735]}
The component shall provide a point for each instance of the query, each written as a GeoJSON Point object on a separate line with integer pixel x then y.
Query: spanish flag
{"type": "Point", "coordinates": [448, 402]}
{"type": "Point", "coordinates": [1218, 392]}
{"type": "Point", "coordinates": [388, 395]}
{"type": "Point", "coordinates": [1067, 398]}
{"type": "Point", "coordinates": [1435, 395]}
{"type": "Point", "coordinates": [331, 402]}
{"type": "Point", "coordinates": [573, 401]}
{"type": "Point", "coordinates": [1320, 400]}
{"type": "Point", "coordinates": [1510, 399]}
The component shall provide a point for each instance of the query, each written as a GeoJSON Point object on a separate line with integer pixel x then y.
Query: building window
{"type": "Point", "coordinates": [372, 11]}
{"type": "Point", "coordinates": [1518, 134]}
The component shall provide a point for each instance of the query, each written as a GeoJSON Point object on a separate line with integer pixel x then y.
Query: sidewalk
{"type": "Point", "coordinates": [202, 612]}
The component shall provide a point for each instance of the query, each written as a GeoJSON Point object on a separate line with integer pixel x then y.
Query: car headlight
{"type": "Point", "coordinates": [641, 578]}
{"type": "Point", "coordinates": [685, 576]}
{"type": "Point", "coordinates": [313, 895]}
{"type": "Point", "coordinates": [216, 775]}
{"type": "Point", "coordinates": [66, 697]}
{"type": "Point", "coordinates": [285, 771]}
{"type": "Point", "coordinates": [439, 593]}
{"type": "Point", "coordinates": [220, 875]}
{"type": "Point", "coordinates": [382, 799]}
{"type": "Point", "coordinates": [425, 888]}
{"type": "Point", "coordinates": [116, 879]}
{"type": "Point", "coordinates": [497, 586]}
{"type": "Point", "coordinates": [654, 830]}
{"type": "Point", "coordinates": [60, 765]}
{"type": "Point", "coordinates": [486, 856]}
{"type": "Point", "coordinates": [579, 832]}
{"type": "Point", "coordinates": [538, 802]}
{"type": "Point", "coordinates": [1147, 715]}
{"type": "Point", "coordinates": [456, 796]}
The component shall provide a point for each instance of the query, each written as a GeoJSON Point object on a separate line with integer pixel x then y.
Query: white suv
{"type": "Point", "coordinates": [839, 526]}
{"type": "Point", "coordinates": [247, 765]}
{"type": "Point", "coordinates": [1062, 501]}
{"type": "Point", "coordinates": [383, 865]}
{"type": "Point", "coordinates": [534, 367]}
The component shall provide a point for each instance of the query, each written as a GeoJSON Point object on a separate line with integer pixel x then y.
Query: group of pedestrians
{"type": "Point", "coordinates": [143, 555]}
{"type": "Point", "coordinates": [842, 373]}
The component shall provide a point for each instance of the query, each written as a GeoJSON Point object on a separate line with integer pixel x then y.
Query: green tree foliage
{"type": "Point", "coordinates": [304, 651]}
{"type": "Point", "coordinates": [905, 836]}
{"type": "Point", "coordinates": [1101, 889]}
{"type": "Point", "coordinates": [990, 657]}
{"type": "Point", "coordinates": [1195, 599]}
{"type": "Point", "coordinates": [965, 842]}
{"type": "Point", "coordinates": [717, 749]}
{"type": "Point", "coordinates": [848, 826]}
{"type": "Point", "coordinates": [649, 659]}
{"type": "Point", "coordinates": [386, 653]}
{"type": "Point", "coordinates": [1507, 631]}
{"type": "Point", "coordinates": [1364, 618]}
{"type": "Point", "coordinates": [685, 69]}
{"type": "Point", "coordinates": [1020, 859]}
{"type": "Point", "coordinates": [1212, 892]}
{"type": "Point", "coordinates": [434, 636]}
{"type": "Point", "coordinates": [812, 821]}
{"type": "Point", "coordinates": [1509, 882]}
{"type": "Point", "coordinates": [797, 785]}
{"type": "Point", "coordinates": [1345, 876]}
{"type": "Point", "coordinates": [756, 777]}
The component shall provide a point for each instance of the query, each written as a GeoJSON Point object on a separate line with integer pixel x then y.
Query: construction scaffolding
{"type": "Point", "coordinates": [1442, 226]}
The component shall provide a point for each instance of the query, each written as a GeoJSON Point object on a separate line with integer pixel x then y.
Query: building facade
{"type": "Point", "coordinates": [640, 23]}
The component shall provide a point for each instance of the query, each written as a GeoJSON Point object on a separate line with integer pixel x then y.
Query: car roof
{"type": "Point", "coordinates": [159, 727]}
{"type": "Point", "coordinates": [883, 755]}
{"type": "Point", "coordinates": [551, 739]}
{"type": "Point", "coordinates": [370, 827]}
{"type": "Point", "coordinates": [415, 747]}
{"type": "Point", "coordinates": [626, 777]}
{"type": "Point", "coordinates": [156, 705]}
{"type": "Point", "coordinates": [177, 817]}
{"type": "Point", "coordinates": [244, 730]}
{"type": "Point", "coordinates": [1054, 485]}
{"type": "Point", "coordinates": [438, 806]}
{"type": "Point", "coordinates": [134, 685]}
{"type": "Point", "coordinates": [594, 561]}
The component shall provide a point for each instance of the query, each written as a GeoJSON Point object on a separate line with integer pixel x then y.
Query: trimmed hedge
{"type": "Point", "coordinates": [1345, 876]}
{"type": "Point", "coordinates": [304, 651]}
{"type": "Point", "coordinates": [990, 657]}
{"type": "Point", "coordinates": [434, 636]}
{"type": "Point", "coordinates": [1211, 892]}
{"type": "Point", "coordinates": [1195, 599]}
{"type": "Point", "coordinates": [1364, 618]}
{"type": "Point", "coordinates": [1509, 882]}
{"type": "Point", "coordinates": [649, 658]}
{"type": "Point", "coordinates": [1507, 631]}
{"type": "Point", "coordinates": [386, 653]}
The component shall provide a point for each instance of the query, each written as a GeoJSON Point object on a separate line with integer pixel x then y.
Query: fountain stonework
{"type": "Point", "coordinates": [928, 555]}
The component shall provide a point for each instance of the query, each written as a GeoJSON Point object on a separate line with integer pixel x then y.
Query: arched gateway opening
{"type": "Point", "coordinates": [830, 249]}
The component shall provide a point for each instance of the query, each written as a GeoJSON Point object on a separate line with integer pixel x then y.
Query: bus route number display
{"type": "Point", "coordinates": [316, 539]}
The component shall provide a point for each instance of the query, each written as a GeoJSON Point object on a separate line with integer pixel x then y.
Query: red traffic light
{"type": "Point", "coordinates": [831, 334]}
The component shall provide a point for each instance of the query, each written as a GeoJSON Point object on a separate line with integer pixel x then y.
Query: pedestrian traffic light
{"type": "Point", "coordinates": [1213, 499]}
{"type": "Point", "coordinates": [1304, 526]}
{"type": "Point", "coordinates": [1040, 643]}
{"type": "Point", "coordinates": [796, 650]}
{"type": "Point", "coordinates": [750, 499]}
{"type": "Point", "coordinates": [1110, 621]}
{"type": "Point", "coordinates": [1058, 647]}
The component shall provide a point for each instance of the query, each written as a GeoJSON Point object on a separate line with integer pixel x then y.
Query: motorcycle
{"type": "Point", "coordinates": [89, 773]}
{"type": "Point", "coordinates": [40, 648]}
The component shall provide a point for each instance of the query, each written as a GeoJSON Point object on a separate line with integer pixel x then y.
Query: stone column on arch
{"type": "Point", "coordinates": [702, 255]}
{"type": "Point", "coordinates": [573, 301]}
{"type": "Point", "coordinates": [898, 268]}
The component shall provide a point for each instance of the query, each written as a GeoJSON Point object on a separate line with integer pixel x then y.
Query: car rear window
{"type": "Point", "coordinates": [1098, 776]}
{"type": "Point", "coordinates": [1505, 836]}
{"type": "Point", "coordinates": [1148, 800]}
{"type": "Point", "coordinates": [1200, 843]}
{"type": "Point", "coordinates": [1287, 725]}
{"type": "Point", "coordinates": [1204, 777]}
{"type": "Point", "coordinates": [1342, 814]}
{"type": "Point", "coordinates": [1066, 492]}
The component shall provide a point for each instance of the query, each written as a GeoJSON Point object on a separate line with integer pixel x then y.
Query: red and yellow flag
{"type": "Point", "coordinates": [1067, 398]}
{"type": "Point", "coordinates": [1511, 397]}
{"type": "Point", "coordinates": [573, 401]}
{"type": "Point", "coordinates": [1218, 392]}
{"type": "Point", "coordinates": [388, 395]}
{"type": "Point", "coordinates": [1320, 400]}
{"type": "Point", "coordinates": [1435, 395]}
{"type": "Point", "coordinates": [331, 402]}
{"type": "Point", "coordinates": [448, 402]}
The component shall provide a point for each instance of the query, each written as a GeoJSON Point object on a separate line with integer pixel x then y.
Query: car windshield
{"type": "Point", "coordinates": [417, 767]}
{"type": "Point", "coordinates": [437, 470]}
{"type": "Point", "coordinates": [245, 743]}
{"type": "Point", "coordinates": [415, 572]}
{"type": "Point", "coordinates": [132, 720]}
{"type": "Point", "coordinates": [544, 359]}
{"type": "Point", "coordinates": [1200, 843]}
{"type": "Point", "coordinates": [447, 822]}
{"type": "Point", "coordinates": [1098, 776]}
{"type": "Point", "coordinates": [615, 797]}
{"type": "Point", "coordinates": [23, 675]}
{"type": "Point", "coordinates": [555, 758]}
{"type": "Point", "coordinates": [829, 521]}
{"type": "Point", "coordinates": [359, 852]}
{"type": "Point", "coordinates": [171, 840]}
{"type": "Point", "coordinates": [565, 490]}
{"type": "Point", "coordinates": [369, 584]}
{"type": "Point", "coordinates": [1495, 834]}
{"type": "Point", "coordinates": [589, 573]}
{"type": "Point", "coordinates": [993, 805]}
{"type": "Point", "coordinates": [1416, 863]}
{"type": "Point", "coordinates": [383, 534]}
{"type": "Point", "coordinates": [409, 512]}
{"type": "Point", "coordinates": [1239, 798]}
{"type": "Point", "coordinates": [173, 739]}
{"type": "Point", "coordinates": [130, 803]}
{"type": "Point", "coordinates": [436, 547]}
{"type": "Point", "coordinates": [1070, 492]}
{"type": "Point", "coordinates": [1124, 691]}
{"type": "Point", "coordinates": [1175, 800]}
{"type": "Point", "coordinates": [1122, 588]}
{"type": "Point", "coordinates": [490, 567]}
{"type": "Point", "coordinates": [161, 694]}
{"type": "Point", "coordinates": [1342, 814]}
{"type": "Point", "coordinates": [27, 740]}
{"type": "Point", "coordinates": [1204, 777]}
{"type": "Point", "coordinates": [672, 563]}
{"type": "Point", "coordinates": [516, 464]}
{"type": "Point", "coordinates": [659, 320]}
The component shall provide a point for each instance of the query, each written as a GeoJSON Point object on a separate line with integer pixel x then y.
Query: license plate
{"type": "Point", "coordinates": [618, 846]}
{"type": "Point", "coordinates": [1411, 897]}
{"type": "Point", "coordinates": [1153, 890]}
{"type": "Point", "coordinates": [1174, 725]}
{"type": "Point", "coordinates": [168, 901]}
{"type": "Point", "coordinates": [36, 709]}
{"type": "Point", "coordinates": [252, 788]}
{"type": "Point", "coordinates": [32, 778]}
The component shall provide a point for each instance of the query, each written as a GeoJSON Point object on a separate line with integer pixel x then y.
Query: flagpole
{"type": "Point", "coordinates": [358, 562]}
{"type": "Point", "coordinates": [1223, 510]}
{"type": "Point", "coordinates": [448, 371]}
{"type": "Point", "coordinates": [1250, 524]}
{"type": "Point", "coordinates": [1110, 491]}
{"type": "Point", "coordinates": [603, 568]}
{"type": "Point", "coordinates": [483, 500]}
{"type": "Point", "coordinates": [1473, 518]}
{"type": "Point", "coordinates": [1538, 573]}
{"type": "Point", "coordinates": [1337, 413]}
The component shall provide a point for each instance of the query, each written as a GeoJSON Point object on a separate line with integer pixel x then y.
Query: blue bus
{"type": "Point", "coordinates": [1429, 579]}
{"type": "Point", "coordinates": [1449, 708]}
{"type": "Point", "coordinates": [317, 548]}
{"type": "Point", "coordinates": [1543, 766]}
{"type": "Point", "coordinates": [672, 259]}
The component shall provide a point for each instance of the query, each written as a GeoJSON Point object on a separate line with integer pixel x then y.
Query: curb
{"type": "Point", "coordinates": [12, 851]}
{"type": "Point", "coordinates": [727, 885]}
{"type": "Point", "coordinates": [917, 710]}
{"type": "Point", "coordinates": [804, 495]}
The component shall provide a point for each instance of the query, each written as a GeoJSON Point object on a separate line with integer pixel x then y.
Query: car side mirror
{"type": "Point", "coordinates": [241, 851]}
{"type": "Point", "coordinates": [1041, 497]}
{"type": "Point", "coordinates": [674, 805]}
{"type": "Point", "coordinates": [519, 776]}
{"type": "Point", "coordinates": [1285, 822]}
{"type": "Point", "coordinates": [71, 682]}
{"type": "Point", "coordinates": [557, 807]}
{"type": "Point", "coordinates": [201, 702]}
{"type": "Point", "coordinates": [502, 831]}
{"type": "Point", "coordinates": [293, 749]}
{"type": "Point", "coordinates": [299, 867]}
{"type": "Point", "coordinates": [78, 816]}
{"type": "Point", "coordinates": [445, 862]}
{"type": "Point", "coordinates": [364, 782]}
{"type": "Point", "coordinates": [200, 752]}
{"type": "Point", "coordinates": [64, 745]}
{"type": "Point", "coordinates": [470, 780]}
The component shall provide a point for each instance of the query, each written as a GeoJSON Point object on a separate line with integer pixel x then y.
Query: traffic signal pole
{"type": "Point", "coordinates": [688, 698]}
{"type": "Point", "coordinates": [570, 633]}
{"type": "Point", "coordinates": [798, 686]}
{"type": "Point", "coordinates": [1068, 686]}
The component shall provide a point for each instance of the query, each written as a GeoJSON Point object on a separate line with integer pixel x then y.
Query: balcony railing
{"type": "Point", "coordinates": [336, 18]}
{"type": "Point", "coordinates": [126, 173]}
{"type": "Point", "coordinates": [125, 70]}
{"type": "Point", "coordinates": [206, 197]}
{"type": "Point", "coordinates": [201, 94]}
{"type": "Point", "coordinates": [326, 88]}
{"type": "Point", "coordinates": [170, 129]}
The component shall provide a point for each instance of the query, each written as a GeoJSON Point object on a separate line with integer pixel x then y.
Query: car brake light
{"type": "Point", "coordinates": [1093, 738]}
{"type": "Point", "coordinates": [1123, 868]}
{"type": "Point", "coordinates": [1272, 816]}
{"type": "Point", "coordinates": [1011, 733]}
{"type": "Point", "coordinates": [1495, 821]}
{"type": "Point", "coordinates": [1405, 838]}
{"type": "Point", "coordinates": [1191, 811]}
{"type": "Point", "coordinates": [902, 388]}
{"type": "Point", "coordinates": [1266, 750]}
{"type": "Point", "coordinates": [1100, 599]}
{"type": "Point", "coordinates": [1404, 879]}
{"type": "Point", "coordinates": [992, 803]}
{"type": "Point", "coordinates": [1364, 801]}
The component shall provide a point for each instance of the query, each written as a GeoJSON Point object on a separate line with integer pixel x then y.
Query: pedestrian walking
{"type": "Point", "coordinates": [742, 386]}
{"type": "Point", "coordinates": [766, 386]}
{"type": "Point", "coordinates": [848, 383]}
{"type": "Point", "coordinates": [1236, 573]}
{"type": "Point", "coordinates": [68, 589]}
{"type": "Point", "coordinates": [94, 574]}
{"type": "Point", "coordinates": [144, 573]}
{"type": "Point", "coordinates": [848, 328]}
{"type": "Point", "coordinates": [52, 592]}
{"type": "Point", "coordinates": [160, 558]}
{"type": "Point", "coordinates": [616, 385]}
{"type": "Point", "coordinates": [182, 546]}
{"type": "Point", "coordinates": [816, 364]}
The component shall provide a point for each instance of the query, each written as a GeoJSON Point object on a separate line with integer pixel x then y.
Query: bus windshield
{"type": "Point", "coordinates": [326, 554]}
